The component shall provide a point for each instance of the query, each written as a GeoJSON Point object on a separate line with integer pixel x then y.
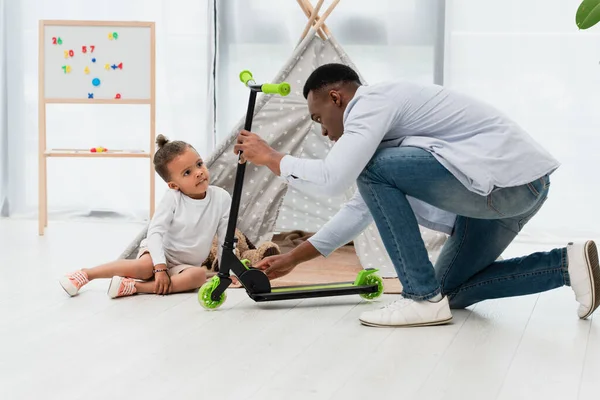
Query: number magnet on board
{"type": "Point", "coordinates": [90, 95]}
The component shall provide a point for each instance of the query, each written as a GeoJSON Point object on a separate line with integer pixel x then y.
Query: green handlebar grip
{"type": "Point", "coordinates": [245, 76]}
{"type": "Point", "coordinates": [282, 89]}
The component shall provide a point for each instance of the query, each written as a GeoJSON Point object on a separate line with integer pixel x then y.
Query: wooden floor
{"type": "Point", "coordinates": [148, 347]}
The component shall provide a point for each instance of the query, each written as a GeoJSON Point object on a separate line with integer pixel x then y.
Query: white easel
{"type": "Point", "coordinates": [94, 62]}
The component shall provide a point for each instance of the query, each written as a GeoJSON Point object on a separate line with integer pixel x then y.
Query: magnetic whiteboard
{"type": "Point", "coordinates": [97, 61]}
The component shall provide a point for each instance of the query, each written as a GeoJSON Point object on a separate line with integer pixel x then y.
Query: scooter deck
{"type": "Point", "coordinates": [312, 291]}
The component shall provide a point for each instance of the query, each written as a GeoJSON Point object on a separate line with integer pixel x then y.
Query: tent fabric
{"type": "Point", "coordinates": [267, 204]}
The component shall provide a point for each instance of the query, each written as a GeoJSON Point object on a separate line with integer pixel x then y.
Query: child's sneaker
{"type": "Point", "coordinates": [120, 287]}
{"type": "Point", "coordinates": [73, 282]}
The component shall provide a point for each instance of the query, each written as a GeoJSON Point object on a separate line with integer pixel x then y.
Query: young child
{"type": "Point", "coordinates": [179, 236]}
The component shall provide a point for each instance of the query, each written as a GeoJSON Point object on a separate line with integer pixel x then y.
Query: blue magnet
{"type": "Point", "coordinates": [96, 82]}
{"type": "Point", "coordinates": [90, 95]}
{"type": "Point", "coordinates": [93, 60]}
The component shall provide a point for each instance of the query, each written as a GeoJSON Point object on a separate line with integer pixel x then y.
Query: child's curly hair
{"type": "Point", "coordinates": [167, 151]}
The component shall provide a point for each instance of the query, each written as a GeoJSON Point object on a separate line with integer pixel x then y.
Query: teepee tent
{"type": "Point", "coordinates": [268, 205]}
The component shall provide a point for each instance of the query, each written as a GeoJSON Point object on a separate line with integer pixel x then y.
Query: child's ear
{"type": "Point", "coordinates": [173, 185]}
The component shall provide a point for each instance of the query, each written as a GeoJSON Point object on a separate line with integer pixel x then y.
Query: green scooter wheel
{"type": "Point", "coordinates": [205, 293]}
{"type": "Point", "coordinates": [373, 280]}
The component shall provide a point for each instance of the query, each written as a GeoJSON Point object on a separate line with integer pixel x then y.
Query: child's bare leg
{"type": "Point", "coordinates": [188, 279]}
{"type": "Point", "coordinates": [140, 268]}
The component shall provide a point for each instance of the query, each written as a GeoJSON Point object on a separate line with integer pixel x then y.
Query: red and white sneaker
{"type": "Point", "coordinates": [73, 281]}
{"type": "Point", "coordinates": [120, 287]}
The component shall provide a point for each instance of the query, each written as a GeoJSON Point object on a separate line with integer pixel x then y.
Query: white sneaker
{"type": "Point", "coordinates": [584, 273]}
{"type": "Point", "coordinates": [407, 312]}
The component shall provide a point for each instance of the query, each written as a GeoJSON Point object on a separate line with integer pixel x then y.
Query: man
{"type": "Point", "coordinates": [423, 154]}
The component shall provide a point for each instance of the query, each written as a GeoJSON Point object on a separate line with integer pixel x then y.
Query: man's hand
{"type": "Point", "coordinates": [257, 151]}
{"type": "Point", "coordinates": [162, 282]}
{"type": "Point", "coordinates": [276, 266]}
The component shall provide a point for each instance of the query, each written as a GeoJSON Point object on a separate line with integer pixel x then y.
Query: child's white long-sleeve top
{"type": "Point", "coordinates": [182, 229]}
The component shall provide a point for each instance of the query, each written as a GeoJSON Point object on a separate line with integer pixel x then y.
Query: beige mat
{"type": "Point", "coordinates": [341, 266]}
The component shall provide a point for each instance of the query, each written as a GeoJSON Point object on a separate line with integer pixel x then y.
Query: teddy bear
{"type": "Point", "coordinates": [244, 249]}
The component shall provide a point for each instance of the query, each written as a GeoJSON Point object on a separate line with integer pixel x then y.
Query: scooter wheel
{"type": "Point", "coordinates": [205, 293]}
{"type": "Point", "coordinates": [373, 280]}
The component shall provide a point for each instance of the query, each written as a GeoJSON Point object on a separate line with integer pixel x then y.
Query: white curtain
{"type": "Point", "coordinates": [83, 186]}
{"type": "Point", "coordinates": [3, 116]}
{"type": "Point", "coordinates": [528, 58]}
{"type": "Point", "coordinates": [386, 39]}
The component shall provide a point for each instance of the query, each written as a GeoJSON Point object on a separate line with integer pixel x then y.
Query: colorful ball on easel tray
{"type": "Point", "coordinates": [96, 82]}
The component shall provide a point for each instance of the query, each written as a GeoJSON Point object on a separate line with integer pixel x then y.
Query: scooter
{"type": "Point", "coordinates": [213, 293]}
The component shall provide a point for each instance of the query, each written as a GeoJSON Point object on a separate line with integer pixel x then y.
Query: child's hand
{"type": "Point", "coordinates": [235, 282]}
{"type": "Point", "coordinates": [162, 282]}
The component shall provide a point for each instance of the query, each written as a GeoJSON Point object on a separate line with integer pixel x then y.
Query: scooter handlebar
{"type": "Point", "coordinates": [282, 89]}
{"type": "Point", "coordinates": [245, 76]}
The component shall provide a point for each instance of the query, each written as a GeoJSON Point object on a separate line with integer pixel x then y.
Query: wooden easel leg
{"type": "Point", "coordinates": [42, 195]}
{"type": "Point", "coordinates": [152, 189]}
{"type": "Point", "coordinates": [45, 193]}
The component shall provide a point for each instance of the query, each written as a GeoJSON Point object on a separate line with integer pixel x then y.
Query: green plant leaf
{"type": "Point", "coordinates": [588, 14]}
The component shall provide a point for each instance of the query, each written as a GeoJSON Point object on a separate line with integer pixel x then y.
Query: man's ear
{"type": "Point", "coordinates": [336, 97]}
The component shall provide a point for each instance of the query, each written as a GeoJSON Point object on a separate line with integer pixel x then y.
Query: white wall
{"type": "Point", "coordinates": [183, 65]}
{"type": "Point", "coordinates": [3, 116]}
{"type": "Point", "coordinates": [528, 58]}
{"type": "Point", "coordinates": [386, 39]}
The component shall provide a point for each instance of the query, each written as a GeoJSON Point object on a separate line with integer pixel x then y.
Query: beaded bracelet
{"type": "Point", "coordinates": [159, 270]}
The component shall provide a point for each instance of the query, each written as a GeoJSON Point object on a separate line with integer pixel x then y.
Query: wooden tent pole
{"type": "Point", "coordinates": [324, 17]}
{"type": "Point", "coordinates": [311, 20]}
{"type": "Point", "coordinates": [304, 5]}
{"type": "Point", "coordinates": [309, 9]}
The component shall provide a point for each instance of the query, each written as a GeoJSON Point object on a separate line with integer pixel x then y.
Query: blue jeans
{"type": "Point", "coordinates": [466, 270]}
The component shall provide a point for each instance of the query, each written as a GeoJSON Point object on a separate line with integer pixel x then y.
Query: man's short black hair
{"type": "Point", "coordinates": [327, 74]}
